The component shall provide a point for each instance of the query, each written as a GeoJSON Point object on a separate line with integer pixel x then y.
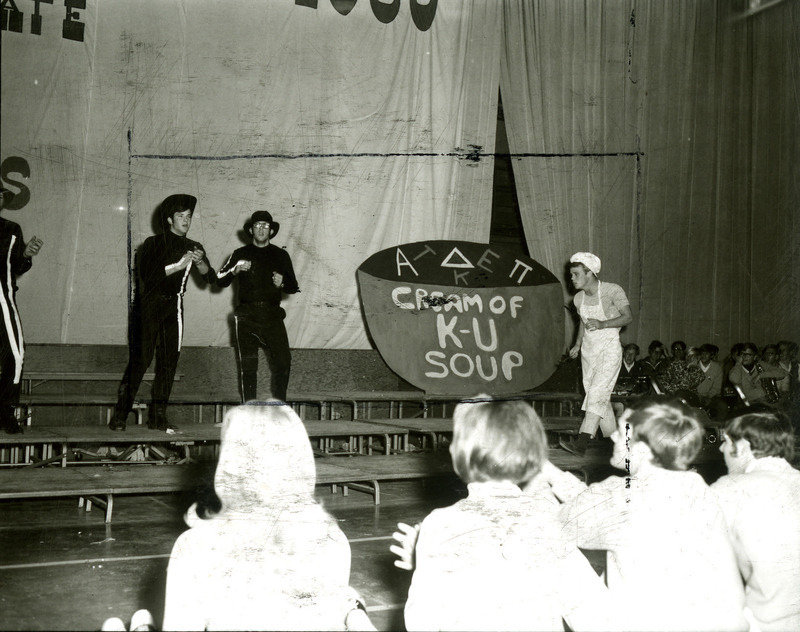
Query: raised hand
{"type": "Point", "coordinates": [407, 542]}
{"type": "Point", "coordinates": [32, 247]}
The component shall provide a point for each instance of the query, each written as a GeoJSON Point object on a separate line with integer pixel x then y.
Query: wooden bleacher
{"type": "Point", "coordinates": [43, 445]}
{"type": "Point", "coordinates": [99, 484]}
{"type": "Point", "coordinates": [142, 461]}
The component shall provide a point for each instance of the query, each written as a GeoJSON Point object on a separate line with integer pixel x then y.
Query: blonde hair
{"type": "Point", "coordinates": [670, 428]}
{"type": "Point", "coordinates": [497, 441]}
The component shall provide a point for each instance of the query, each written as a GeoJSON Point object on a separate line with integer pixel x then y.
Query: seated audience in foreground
{"type": "Point", "coordinates": [751, 377]}
{"type": "Point", "coordinates": [761, 501]}
{"type": "Point", "coordinates": [670, 563]}
{"type": "Point", "coordinates": [498, 560]}
{"type": "Point", "coordinates": [271, 558]}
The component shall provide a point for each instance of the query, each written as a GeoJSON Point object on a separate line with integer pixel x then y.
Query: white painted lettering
{"type": "Point", "coordinates": [401, 260]}
{"type": "Point", "coordinates": [479, 364]}
{"type": "Point", "coordinates": [396, 292]}
{"type": "Point", "coordinates": [497, 305]}
{"type": "Point", "coordinates": [470, 365]}
{"type": "Point", "coordinates": [492, 335]}
{"type": "Point", "coordinates": [514, 304]}
{"type": "Point", "coordinates": [511, 360]}
{"type": "Point", "coordinates": [445, 331]}
{"type": "Point", "coordinates": [431, 358]}
{"type": "Point", "coordinates": [525, 269]}
{"type": "Point", "coordinates": [485, 260]}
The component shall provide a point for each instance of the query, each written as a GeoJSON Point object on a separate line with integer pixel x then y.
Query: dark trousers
{"type": "Point", "coordinates": [12, 349]}
{"type": "Point", "coordinates": [156, 328]}
{"type": "Point", "coordinates": [262, 327]}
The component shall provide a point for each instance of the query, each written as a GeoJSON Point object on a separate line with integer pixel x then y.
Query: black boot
{"type": "Point", "coordinates": [576, 446]}
{"type": "Point", "coordinates": [8, 420]}
{"type": "Point", "coordinates": [157, 418]}
{"type": "Point", "coordinates": [116, 424]}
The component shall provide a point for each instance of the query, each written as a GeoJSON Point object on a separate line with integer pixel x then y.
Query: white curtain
{"type": "Point", "coordinates": [658, 135]}
{"type": "Point", "coordinates": [354, 133]}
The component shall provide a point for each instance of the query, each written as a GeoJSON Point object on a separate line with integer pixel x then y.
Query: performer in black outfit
{"type": "Point", "coordinates": [164, 263]}
{"type": "Point", "coordinates": [16, 260]}
{"type": "Point", "coordinates": [264, 271]}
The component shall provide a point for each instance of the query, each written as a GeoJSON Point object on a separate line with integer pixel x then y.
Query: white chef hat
{"type": "Point", "coordinates": [592, 262]}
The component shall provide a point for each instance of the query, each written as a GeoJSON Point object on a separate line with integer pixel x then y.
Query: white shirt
{"type": "Point", "coordinates": [762, 507]}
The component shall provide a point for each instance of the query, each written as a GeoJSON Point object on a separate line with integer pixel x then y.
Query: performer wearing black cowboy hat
{"type": "Point", "coordinates": [264, 273]}
{"type": "Point", "coordinates": [15, 260]}
{"type": "Point", "coordinates": [164, 263]}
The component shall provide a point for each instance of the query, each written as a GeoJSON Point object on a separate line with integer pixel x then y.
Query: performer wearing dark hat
{"type": "Point", "coordinates": [15, 259]}
{"type": "Point", "coordinates": [164, 263]}
{"type": "Point", "coordinates": [264, 272]}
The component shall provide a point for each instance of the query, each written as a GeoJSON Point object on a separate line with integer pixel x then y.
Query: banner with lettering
{"type": "Point", "coordinates": [458, 318]}
{"type": "Point", "coordinates": [357, 124]}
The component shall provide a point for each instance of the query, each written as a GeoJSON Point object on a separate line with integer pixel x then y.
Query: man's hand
{"type": "Point", "coordinates": [199, 259]}
{"type": "Point", "coordinates": [32, 247]}
{"type": "Point", "coordinates": [407, 539]}
{"type": "Point", "coordinates": [592, 324]}
{"type": "Point", "coordinates": [242, 266]}
{"type": "Point", "coordinates": [185, 260]}
{"type": "Point", "coordinates": [277, 279]}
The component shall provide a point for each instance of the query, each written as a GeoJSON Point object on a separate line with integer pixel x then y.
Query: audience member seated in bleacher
{"type": "Point", "coordinates": [671, 565]}
{"type": "Point", "coordinates": [497, 560]}
{"type": "Point", "coordinates": [730, 361]}
{"type": "Point", "coordinates": [678, 349]}
{"type": "Point", "coordinates": [751, 377]}
{"type": "Point", "coordinates": [787, 360]}
{"type": "Point", "coordinates": [656, 360]}
{"type": "Point", "coordinates": [710, 389]}
{"type": "Point", "coordinates": [682, 375]}
{"type": "Point", "coordinates": [769, 355]}
{"type": "Point", "coordinates": [761, 501]}
{"type": "Point", "coordinates": [271, 558]}
{"type": "Point", "coordinates": [632, 379]}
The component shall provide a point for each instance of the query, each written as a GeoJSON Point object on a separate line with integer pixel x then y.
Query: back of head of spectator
{"type": "Point", "coordinates": [497, 440]}
{"type": "Point", "coordinates": [265, 459]}
{"type": "Point", "coordinates": [663, 430]}
{"type": "Point", "coordinates": [760, 432]}
{"type": "Point", "coordinates": [271, 557]}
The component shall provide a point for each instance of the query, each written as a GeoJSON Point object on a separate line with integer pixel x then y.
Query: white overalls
{"type": "Point", "coordinates": [601, 358]}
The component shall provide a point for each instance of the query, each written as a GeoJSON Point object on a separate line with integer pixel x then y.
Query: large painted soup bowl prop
{"type": "Point", "coordinates": [459, 318]}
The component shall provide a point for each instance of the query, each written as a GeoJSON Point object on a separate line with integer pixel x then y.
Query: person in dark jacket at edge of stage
{"type": "Point", "coordinates": [15, 260]}
{"type": "Point", "coordinates": [164, 263]}
{"type": "Point", "coordinates": [264, 273]}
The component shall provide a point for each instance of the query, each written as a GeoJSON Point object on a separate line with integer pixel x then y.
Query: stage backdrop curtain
{"type": "Point", "coordinates": [641, 131]}
{"type": "Point", "coordinates": [356, 127]}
